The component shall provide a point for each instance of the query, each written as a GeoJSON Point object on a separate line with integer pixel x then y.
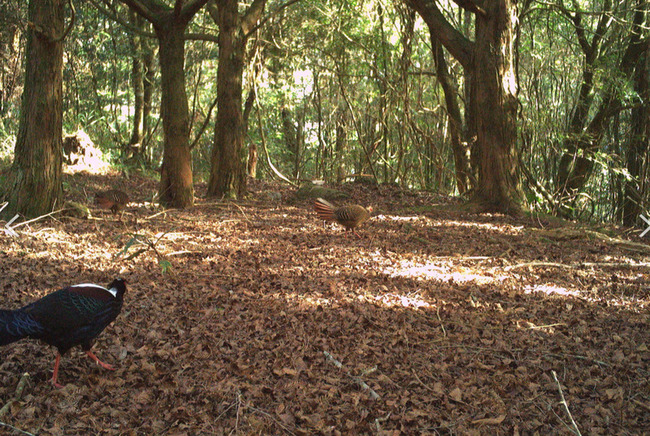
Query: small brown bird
{"type": "Point", "coordinates": [350, 217]}
{"type": "Point", "coordinates": [113, 199]}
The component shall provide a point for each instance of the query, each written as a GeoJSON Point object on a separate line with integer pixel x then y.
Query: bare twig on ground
{"type": "Point", "coordinates": [20, 388]}
{"type": "Point", "coordinates": [363, 385]}
{"type": "Point", "coordinates": [581, 265]}
{"type": "Point", "coordinates": [24, 379]}
{"type": "Point", "coordinates": [575, 428]}
{"type": "Point", "coordinates": [442, 326]}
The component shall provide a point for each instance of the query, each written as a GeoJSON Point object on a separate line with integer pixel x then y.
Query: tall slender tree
{"type": "Point", "coordinates": [490, 61]}
{"type": "Point", "coordinates": [227, 170]}
{"type": "Point", "coordinates": [176, 186]}
{"type": "Point", "coordinates": [33, 185]}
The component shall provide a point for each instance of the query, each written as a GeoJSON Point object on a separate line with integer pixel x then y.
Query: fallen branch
{"type": "Point", "coordinates": [37, 218]}
{"type": "Point", "coordinates": [16, 429]}
{"type": "Point", "coordinates": [162, 212]}
{"type": "Point", "coordinates": [363, 385]}
{"type": "Point", "coordinates": [17, 395]}
{"type": "Point", "coordinates": [566, 406]}
{"type": "Point", "coordinates": [585, 264]}
{"type": "Point", "coordinates": [268, 415]}
{"type": "Point", "coordinates": [577, 356]}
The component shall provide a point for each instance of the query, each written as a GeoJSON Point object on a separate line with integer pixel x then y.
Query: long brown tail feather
{"type": "Point", "coordinates": [324, 209]}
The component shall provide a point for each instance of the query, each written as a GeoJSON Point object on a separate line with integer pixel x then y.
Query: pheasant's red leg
{"type": "Point", "coordinates": [55, 374]}
{"type": "Point", "coordinates": [99, 362]}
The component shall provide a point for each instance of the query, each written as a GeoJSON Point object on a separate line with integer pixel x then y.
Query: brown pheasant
{"type": "Point", "coordinates": [350, 217]}
{"type": "Point", "coordinates": [113, 199]}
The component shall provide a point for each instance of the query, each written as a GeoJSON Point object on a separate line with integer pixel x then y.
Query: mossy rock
{"type": "Point", "coordinates": [309, 190]}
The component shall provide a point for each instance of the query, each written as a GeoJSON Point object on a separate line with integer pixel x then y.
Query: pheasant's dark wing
{"type": "Point", "coordinates": [74, 315]}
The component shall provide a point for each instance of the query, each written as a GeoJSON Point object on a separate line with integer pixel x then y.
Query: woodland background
{"type": "Point", "coordinates": [329, 90]}
{"type": "Point", "coordinates": [500, 288]}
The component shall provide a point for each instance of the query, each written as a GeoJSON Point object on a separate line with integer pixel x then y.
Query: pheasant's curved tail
{"type": "Point", "coordinates": [324, 209]}
{"type": "Point", "coordinates": [15, 325]}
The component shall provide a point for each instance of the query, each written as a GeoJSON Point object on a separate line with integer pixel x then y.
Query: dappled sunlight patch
{"type": "Point", "coordinates": [551, 290]}
{"type": "Point", "coordinates": [442, 273]}
{"type": "Point", "coordinates": [445, 323]}
{"type": "Point", "coordinates": [408, 301]}
{"type": "Point", "coordinates": [398, 218]}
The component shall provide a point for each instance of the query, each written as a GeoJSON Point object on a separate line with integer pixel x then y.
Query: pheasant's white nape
{"type": "Point", "coordinates": [113, 291]}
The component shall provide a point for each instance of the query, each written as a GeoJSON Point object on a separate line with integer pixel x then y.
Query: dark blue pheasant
{"type": "Point", "coordinates": [71, 316]}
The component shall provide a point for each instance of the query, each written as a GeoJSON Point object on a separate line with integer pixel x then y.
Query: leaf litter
{"type": "Point", "coordinates": [256, 318]}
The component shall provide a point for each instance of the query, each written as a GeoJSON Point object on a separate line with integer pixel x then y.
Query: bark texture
{"type": "Point", "coordinates": [33, 183]}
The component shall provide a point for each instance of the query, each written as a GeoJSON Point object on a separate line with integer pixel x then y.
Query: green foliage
{"type": "Point", "coordinates": [145, 244]}
{"type": "Point", "coordinates": [356, 79]}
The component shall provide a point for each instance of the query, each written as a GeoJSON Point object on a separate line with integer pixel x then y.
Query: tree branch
{"type": "Point", "coordinates": [454, 41]}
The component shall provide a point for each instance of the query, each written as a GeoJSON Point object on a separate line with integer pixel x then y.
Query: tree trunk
{"type": "Point", "coordinates": [489, 61]}
{"type": "Point", "coordinates": [148, 63]}
{"type": "Point", "coordinates": [227, 169]}
{"type": "Point", "coordinates": [291, 139]}
{"type": "Point", "coordinates": [584, 137]}
{"type": "Point", "coordinates": [137, 82]}
{"type": "Point", "coordinates": [459, 149]}
{"type": "Point", "coordinates": [494, 93]}
{"type": "Point", "coordinates": [251, 167]}
{"type": "Point", "coordinates": [34, 180]}
{"type": "Point", "coordinates": [176, 189]}
{"type": "Point", "coordinates": [639, 144]}
{"type": "Point", "coordinates": [340, 142]}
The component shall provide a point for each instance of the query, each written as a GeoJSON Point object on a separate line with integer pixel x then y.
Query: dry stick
{"type": "Point", "coordinates": [37, 218]}
{"type": "Point", "coordinates": [585, 264]}
{"type": "Point", "coordinates": [238, 411]}
{"type": "Point", "coordinates": [645, 406]}
{"type": "Point", "coordinates": [444, 332]}
{"type": "Point", "coordinates": [17, 395]}
{"type": "Point", "coordinates": [242, 212]}
{"type": "Point", "coordinates": [2, 424]}
{"type": "Point", "coordinates": [159, 213]}
{"type": "Point", "coordinates": [357, 380]}
{"type": "Point", "coordinates": [24, 379]}
{"type": "Point", "coordinates": [566, 406]}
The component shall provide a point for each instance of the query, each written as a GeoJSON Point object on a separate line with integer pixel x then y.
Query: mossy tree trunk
{"type": "Point", "coordinates": [33, 183]}
{"type": "Point", "coordinates": [490, 61]}
{"type": "Point", "coordinates": [227, 171]}
{"type": "Point", "coordinates": [176, 188]}
{"type": "Point", "coordinates": [169, 22]}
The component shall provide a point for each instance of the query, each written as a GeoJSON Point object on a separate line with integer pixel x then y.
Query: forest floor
{"type": "Point", "coordinates": [256, 318]}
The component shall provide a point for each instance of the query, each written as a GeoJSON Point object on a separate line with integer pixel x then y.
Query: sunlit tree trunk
{"type": "Point", "coordinates": [251, 166]}
{"type": "Point", "coordinates": [340, 142]}
{"type": "Point", "coordinates": [148, 63]}
{"type": "Point", "coordinates": [460, 149]}
{"type": "Point", "coordinates": [169, 23]}
{"type": "Point", "coordinates": [227, 171]}
{"type": "Point", "coordinates": [495, 95]}
{"type": "Point", "coordinates": [176, 189]}
{"type": "Point", "coordinates": [490, 61]}
{"type": "Point", "coordinates": [34, 180]}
